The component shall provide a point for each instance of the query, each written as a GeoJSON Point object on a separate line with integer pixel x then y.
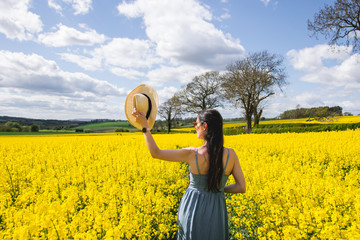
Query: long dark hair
{"type": "Point", "coordinates": [214, 144]}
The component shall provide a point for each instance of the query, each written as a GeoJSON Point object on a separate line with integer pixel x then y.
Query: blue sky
{"type": "Point", "coordinates": [71, 59]}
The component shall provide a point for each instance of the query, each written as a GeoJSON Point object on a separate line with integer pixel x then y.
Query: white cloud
{"type": "Point", "coordinates": [308, 99]}
{"type": "Point", "coordinates": [53, 4]}
{"type": "Point", "coordinates": [88, 63]}
{"type": "Point", "coordinates": [35, 87]}
{"type": "Point", "coordinates": [179, 33]}
{"type": "Point", "coordinates": [35, 74]}
{"type": "Point", "coordinates": [266, 2]}
{"type": "Point", "coordinates": [343, 72]}
{"type": "Point", "coordinates": [80, 6]}
{"type": "Point", "coordinates": [311, 59]}
{"type": "Point", "coordinates": [166, 93]}
{"type": "Point", "coordinates": [183, 33]}
{"type": "Point", "coordinates": [128, 73]}
{"type": "Point", "coordinates": [126, 52]}
{"type": "Point", "coordinates": [226, 15]}
{"type": "Point", "coordinates": [13, 103]}
{"type": "Point", "coordinates": [17, 22]}
{"type": "Point", "coordinates": [180, 75]}
{"type": "Point", "coordinates": [120, 53]}
{"type": "Point", "coordinates": [351, 106]}
{"type": "Point", "coordinates": [66, 36]}
{"type": "Point", "coordinates": [130, 10]}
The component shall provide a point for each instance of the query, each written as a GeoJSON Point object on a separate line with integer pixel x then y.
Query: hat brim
{"type": "Point", "coordinates": [129, 106]}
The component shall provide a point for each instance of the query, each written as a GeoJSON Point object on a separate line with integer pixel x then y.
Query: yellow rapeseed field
{"type": "Point", "coordinates": [299, 186]}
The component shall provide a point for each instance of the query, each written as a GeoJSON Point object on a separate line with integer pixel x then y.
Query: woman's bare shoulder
{"type": "Point", "coordinates": [232, 154]}
{"type": "Point", "coordinates": [231, 150]}
{"type": "Point", "coordinates": [192, 149]}
{"type": "Point", "coordinates": [190, 153]}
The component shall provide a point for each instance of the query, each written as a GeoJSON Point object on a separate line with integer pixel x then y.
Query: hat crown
{"type": "Point", "coordinates": [145, 99]}
{"type": "Point", "coordinates": [141, 103]}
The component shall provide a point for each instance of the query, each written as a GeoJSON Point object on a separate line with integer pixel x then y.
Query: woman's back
{"type": "Point", "coordinates": [204, 164]}
{"type": "Point", "coordinates": [199, 180]}
{"type": "Point", "coordinates": [202, 213]}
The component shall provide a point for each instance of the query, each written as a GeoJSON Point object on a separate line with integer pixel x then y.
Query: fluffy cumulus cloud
{"type": "Point", "coordinates": [168, 74]}
{"type": "Point", "coordinates": [79, 6]}
{"type": "Point", "coordinates": [181, 42]}
{"type": "Point", "coordinates": [66, 36]}
{"type": "Point", "coordinates": [53, 4]}
{"type": "Point", "coordinates": [38, 88]}
{"type": "Point", "coordinates": [183, 32]}
{"type": "Point", "coordinates": [13, 102]}
{"type": "Point", "coordinates": [127, 52]}
{"type": "Point", "coordinates": [120, 55]}
{"type": "Point", "coordinates": [17, 21]}
{"type": "Point", "coordinates": [35, 74]}
{"type": "Point", "coordinates": [332, 66]}
{"type": "Point", "coordinates": [127, 73]}
{"type": "Point", "coordinates": [166, 93]}
{"type": "Point", "coordinates": [87, 63]}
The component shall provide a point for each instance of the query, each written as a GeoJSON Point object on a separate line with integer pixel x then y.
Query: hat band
{"type": "Point", "coordinates": [149, 108]}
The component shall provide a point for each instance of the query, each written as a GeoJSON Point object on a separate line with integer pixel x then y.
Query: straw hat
{"type": "Point", "coordinates": [145, 99]}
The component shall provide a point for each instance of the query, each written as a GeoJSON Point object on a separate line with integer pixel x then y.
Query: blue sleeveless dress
{"type": "Point", "coordinates": [202, 214]}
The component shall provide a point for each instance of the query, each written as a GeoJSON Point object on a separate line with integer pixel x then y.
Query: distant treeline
{"type": "Point", "coordinates": [18, 124]}
{"type": "Point", "coordinates": [42, 123]}
{"type": "Point", "coordinates": [316, 112]}
{"type": "Point", "coordinates": [48, 124]}
{"type": "Point", "coordinates": [16, 127]}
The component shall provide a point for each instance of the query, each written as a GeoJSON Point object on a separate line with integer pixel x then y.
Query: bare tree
{"type": "Point", "coordinates": [169, 110]}
{"type": "Point", "coordinates": [202, 92]}
{"type": "Point", "coordinates": [341, 21]}
{"type": "Point", "coordinates": [249, 81]}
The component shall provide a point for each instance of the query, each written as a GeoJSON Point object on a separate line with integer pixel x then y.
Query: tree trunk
{"type": "Point", "coordinates": [169, 126]}
{"type": "Point", "coordinates": [248, 127]}
{"type": "Point", "coordinates": [257, 117]}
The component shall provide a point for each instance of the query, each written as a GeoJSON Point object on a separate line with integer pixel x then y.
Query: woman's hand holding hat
{"type": "Point", "coordinates": [140, 118]}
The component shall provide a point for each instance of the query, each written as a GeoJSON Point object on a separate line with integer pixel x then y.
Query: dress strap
{"type": "Point", "coordinates": [196, 158]}
{"type": "Point", "coordinates": [227, 160]}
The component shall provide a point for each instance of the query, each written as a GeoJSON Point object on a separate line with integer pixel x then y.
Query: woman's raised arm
{"type": "Point", "coordinates": [174, 155]}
